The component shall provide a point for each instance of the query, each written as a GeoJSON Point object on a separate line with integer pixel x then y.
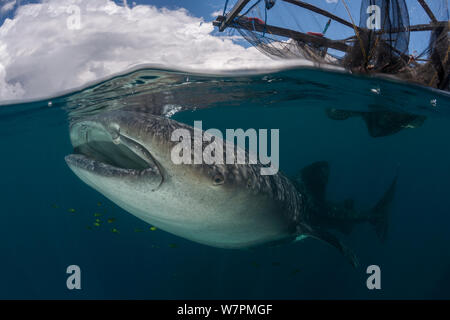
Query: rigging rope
{"type": "Point", "coordinates": [265, 19]}
{"type": "Point", "coordinates": [251, 8]}
{"type": "Point", "coordinates": [225, 8]}
{"type": "Point", "coordinates": [356, 31]}
{"type": "Point", "coordinates": [329, 20]}
{"type": "Point", "coordinates": [326, 26]}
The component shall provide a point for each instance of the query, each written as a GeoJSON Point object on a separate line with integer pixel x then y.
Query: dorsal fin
{"type": "Point", "coordinates": [315, 179]}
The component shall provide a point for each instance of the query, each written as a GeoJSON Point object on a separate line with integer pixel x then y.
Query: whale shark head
{"type": "Point", "coordinates": [126, 156]}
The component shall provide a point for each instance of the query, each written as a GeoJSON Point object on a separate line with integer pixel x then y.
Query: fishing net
{"type": "Point", "coordinates": [436, 71]}
{"type": "Point", "coordinates": [382, 39]}
{"type": "Point", "coordinates": [397, 37]}
{"type": "Point", "coordinates": [282, 29]}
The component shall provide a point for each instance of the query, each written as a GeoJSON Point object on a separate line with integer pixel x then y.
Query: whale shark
{"type": "Point", "coordinates": [126, 156]}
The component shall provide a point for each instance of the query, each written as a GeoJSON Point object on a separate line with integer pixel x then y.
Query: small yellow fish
{"type": "Point", "coordinates": [111, 220]}
{"type": "Point", "coordinates": [97, 220]}
{"type": "Point", "coordinates": [114, 230]}
{"type": "Point", "coordinates": [99, 204]}
{"type": "Point", "coordinates": [97, 214]}
{"type": "Point", "coordinates": [71, 210]}
{"type": "Point", "coordinates": [153, 228]}
{"type": "Point", "coordinates": [96, 224]}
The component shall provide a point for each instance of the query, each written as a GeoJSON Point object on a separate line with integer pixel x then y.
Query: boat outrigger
{"type": "Point", "coordinates": [378, 44]}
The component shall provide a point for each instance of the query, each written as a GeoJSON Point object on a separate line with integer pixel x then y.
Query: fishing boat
{"type": "Point", "coordinates": [408, 39]}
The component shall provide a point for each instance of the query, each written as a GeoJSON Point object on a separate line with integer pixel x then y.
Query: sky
{"type": "Point", "coordinates": [198, 8]}
{"type": "Point", "coordinates": [51, 46]}
{"type": "Point", "coordinates": [55, 45]}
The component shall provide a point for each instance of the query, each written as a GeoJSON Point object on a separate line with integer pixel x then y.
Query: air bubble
{"type": "Point", "coordinates": [376, 90]}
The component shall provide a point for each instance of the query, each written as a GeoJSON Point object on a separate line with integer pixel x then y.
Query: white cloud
{"type": "Point", "coordinates": [49, 47]}
{"type": "Point", "coordinates": [8, 6]}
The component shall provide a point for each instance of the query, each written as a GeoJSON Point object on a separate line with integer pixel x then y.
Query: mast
{"type": "Point", "coordinates": [283, 32]}
{"type": "Point", "coordinates": [233, 14]}
{"type": "Point", "coordinates": [320, 11]}
{"type": "Point", "coordinates": [242, 3]}
{"type": "Point", "coordinates": [428, 10]}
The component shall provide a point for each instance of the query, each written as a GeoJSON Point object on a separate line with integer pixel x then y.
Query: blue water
{"type": "Point", "coordinates": [48, 214]}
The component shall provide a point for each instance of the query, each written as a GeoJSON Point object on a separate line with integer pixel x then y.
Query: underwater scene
{"type": "Point", "coordinates": [363, 181]}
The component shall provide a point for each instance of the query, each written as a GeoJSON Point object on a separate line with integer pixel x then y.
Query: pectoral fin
{"type": "Point", "coordinates": [332, 240]}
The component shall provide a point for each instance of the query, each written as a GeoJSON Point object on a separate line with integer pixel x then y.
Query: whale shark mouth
{"type": "Point", "coordinates": [108, 153]}
{"type": "Point", "coordinates": [97, 151]}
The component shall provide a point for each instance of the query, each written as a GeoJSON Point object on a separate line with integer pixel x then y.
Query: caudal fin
{"type": "Point", "coordinates": [379, 215]}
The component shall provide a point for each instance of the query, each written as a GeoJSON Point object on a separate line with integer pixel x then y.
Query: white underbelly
{"type": "Point", "coordinates": [235, 225]}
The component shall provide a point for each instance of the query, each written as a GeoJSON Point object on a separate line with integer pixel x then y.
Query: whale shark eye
{"type": "Point", "coordinates": [218, 179]}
